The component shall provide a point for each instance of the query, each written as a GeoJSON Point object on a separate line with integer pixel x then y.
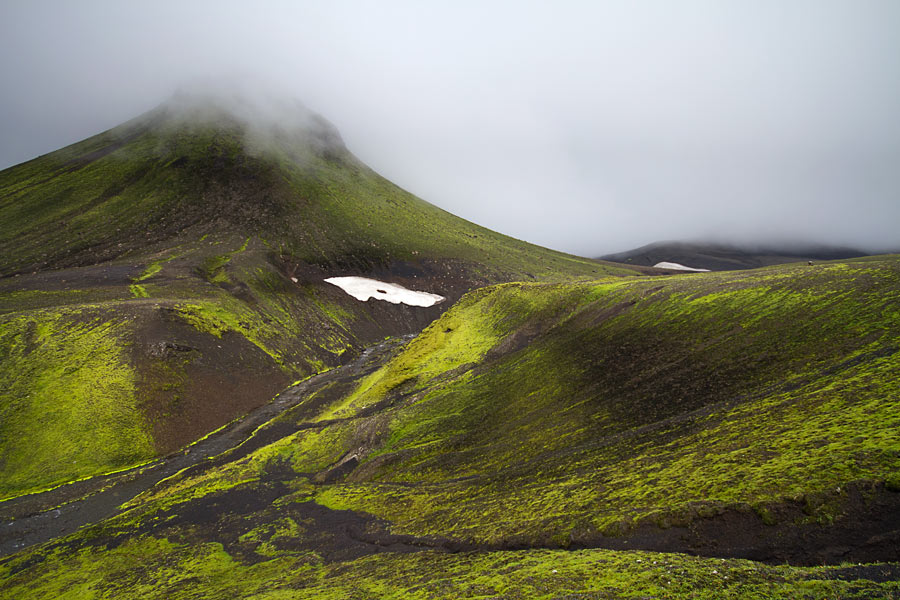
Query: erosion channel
{"type": "Point", "coordinates": [37, 518]}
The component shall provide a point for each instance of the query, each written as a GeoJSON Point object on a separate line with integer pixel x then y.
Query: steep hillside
{"type": "Point", "coordinates": [164, 277]}
{"type": "Point", "coordinates": [564, 414]}
{"type": "Point", "coordinates": [724, 257]}
{"type": "Point", "coordinates": [534, 437]}
{"type": "Point", "coordinates": [198, 166]}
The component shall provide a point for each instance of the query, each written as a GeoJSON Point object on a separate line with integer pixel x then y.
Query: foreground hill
{"type": "Point", "coordinates": [725, 257]}
{"type": "Point", "coordinates": [166, 276]}
{"type": "Point", "coordinates": [536, 436]}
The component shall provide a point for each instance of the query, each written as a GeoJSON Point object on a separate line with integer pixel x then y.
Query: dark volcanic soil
{"type": "Point", "coordinates": [866, 528]}
{"type": "Point", "coordinates": [37, 518]}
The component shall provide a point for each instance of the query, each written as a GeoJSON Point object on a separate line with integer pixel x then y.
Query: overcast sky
{"type": "Point", "coordinates": [590, 127]}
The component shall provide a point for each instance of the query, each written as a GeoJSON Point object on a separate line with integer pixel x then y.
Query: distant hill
{"type": "Point", "coordinates": [725, 257]}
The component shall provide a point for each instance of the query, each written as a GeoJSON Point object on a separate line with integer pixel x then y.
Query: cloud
{"type": "Point", "coordinates": [588, 127]}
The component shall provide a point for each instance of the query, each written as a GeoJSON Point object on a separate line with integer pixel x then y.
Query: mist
{"type": "Point", "coordinates": [586, 127]}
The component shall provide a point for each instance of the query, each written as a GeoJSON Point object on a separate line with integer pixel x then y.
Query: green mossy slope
{"type": "Point", "coordinates": [553, 414]}
{"type": "Point", "coordinates": [757, 408]}
{"type": "Point", "coordinates": [619, 403]}
{"type": "Point", "coordinates": [181, 173]}
{"type": "Point", "coordinates": [157, 568]}
{"type": "Point", "coordinates": [190, 230]}
{"type": "Point", "coordinates": [105, 378]}
{"type": "Point", "coordinates": [70, 406]}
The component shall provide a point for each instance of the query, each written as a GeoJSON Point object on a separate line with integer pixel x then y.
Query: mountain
{"type": "Point", "coordinates": [189, 409]}
{"type": "Point", "coordinates": [162, 278]}
{"type": "Point", "coordinates": [726, 257]}
{"type": "Point", "coordinates": [714, 435]}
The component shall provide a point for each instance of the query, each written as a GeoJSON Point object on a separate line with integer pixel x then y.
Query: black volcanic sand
{"type": "Point", "coordinates": [338, 535]}
{"type": "Point", "coordinates": [37, 518]}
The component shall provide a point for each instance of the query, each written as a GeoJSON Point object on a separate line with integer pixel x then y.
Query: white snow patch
{"type": "Point", "coordinates": [363, 288]}
{"type": "Point", "coordinates": [671, 265]}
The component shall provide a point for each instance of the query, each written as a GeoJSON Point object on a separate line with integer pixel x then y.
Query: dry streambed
{"type": "Point", "coordinates": [37, 518]}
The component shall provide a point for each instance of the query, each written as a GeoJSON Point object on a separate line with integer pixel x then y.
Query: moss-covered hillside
{"type": "Point", "coordinates": [197, 167]}
{"type": "Point", "coordinates": [545, 414]}
{"type": "Point", "coordinates": [166, 276]}
{"type": "Point", "coordinates": [554, 439]}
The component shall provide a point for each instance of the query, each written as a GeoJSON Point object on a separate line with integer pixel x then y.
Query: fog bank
{"type": "Point", "coordinates": [586, 127]}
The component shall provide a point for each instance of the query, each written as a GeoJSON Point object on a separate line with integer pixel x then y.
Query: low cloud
{"type": "Point", "coordinates": [587, 127]}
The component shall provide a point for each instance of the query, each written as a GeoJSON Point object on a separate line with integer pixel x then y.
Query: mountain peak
{"type": "Point", "coordinates": [262, 118]}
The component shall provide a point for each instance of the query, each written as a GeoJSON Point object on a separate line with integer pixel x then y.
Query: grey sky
{"type": "Point", "coordinates": [585, 126]}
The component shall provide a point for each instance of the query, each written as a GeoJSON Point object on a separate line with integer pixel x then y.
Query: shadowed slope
{"type": "Point", "coordinates": [166, 276]}
{"type": "Point", "coordinates": [572, 413]}
{"type": "Point", "coordinates": [749, 414]}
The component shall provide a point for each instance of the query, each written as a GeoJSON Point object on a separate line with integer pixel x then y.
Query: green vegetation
{"type": "Point", "coordinates": [568, 409]}
{"type": "Point", "coordinates": [213, 267]}
{"type": "Point", "coordinates": [153, 268]}
{"type": "Point", "coordinates": [69, 406]}
{"type": "Point", "coordinates": [30, 299]}
{"type": "Point", "coordinates": [151, 567]}
{"type": "Point", "coordinates": [547, 415]}
{"type": "Point", "coordinates": [160, 178]}
{"type": "Point", "coordinates": [169, 220]}
{"type": "Point", "coordinates": [637, 400]}
{"type": "Point", "coordinates": [379, 222]}
{"type": "Point", "coordinates": [138, 291]}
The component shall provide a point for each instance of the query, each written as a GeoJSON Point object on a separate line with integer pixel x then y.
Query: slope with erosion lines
{"type": "Point", "coordinates": [749, 414]}
{"type": "Point", "coordinates": [581, 414]}
{"type": "Point", "coordinates": [180, 258]}
{"type": "Point", "coordinates": [36, 518]}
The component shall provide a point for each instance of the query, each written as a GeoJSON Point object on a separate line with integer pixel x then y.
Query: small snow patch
{"type": "Point", "coordinates": [363, 288]}
{"type": "Point", "coordinates": [671, 265]}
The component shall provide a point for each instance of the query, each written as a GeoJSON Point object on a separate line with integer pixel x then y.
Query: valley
{"type": "Point", "coordinates": [192, 407]}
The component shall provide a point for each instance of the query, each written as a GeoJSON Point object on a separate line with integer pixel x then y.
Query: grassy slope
{"type": "Point", "coordinates": [546, 414]}
{"type": "Point", "coordinates": [69, 393]}
{"type": "Point", "coordinates": [641, 400]}
{"type": "Point", "coordinates": [707, 392]}
{"type": "Point", "coordinates": [187, 233]}
{"type": "Point", "coordinates": [159, 178]}
{"type": "Point", "coordinates": [158, 568]}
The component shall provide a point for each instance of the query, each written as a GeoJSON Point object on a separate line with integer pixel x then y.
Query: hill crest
{"type": "Point", "coordinates": [719, 256]}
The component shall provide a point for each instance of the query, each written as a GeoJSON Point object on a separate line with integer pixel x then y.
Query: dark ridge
{"type": "Point", "coordinates": [726, 257]}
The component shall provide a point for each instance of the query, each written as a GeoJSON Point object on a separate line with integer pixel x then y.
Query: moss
{"type": "Point", "coordinates": [154, 180]}
{"type": "Point", "coordinates": [154, 567]}
{"type": "Point", "coordinates": [306, 451]}
{"type": "Point", "coordinates": [139, 201]}
{"type": "Point", "coordinates": [213, 267]}
{"type": "Point", "coordinates": [269, 535]}
{"type": "Point", "coordinates": [464, 335]}
{"type": "Point", "coordinates": [152, 269]}
{"type": "Point", "coordinates": [537, 413]}
{"type": "Point", "coordinates": [138, 291]}
{"type": "Point", "coordinates": [30, 299]}
{"type": "Point", "coordinates": [789, 390]}
{"type": "Point", "coordinates": [69, 407]}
